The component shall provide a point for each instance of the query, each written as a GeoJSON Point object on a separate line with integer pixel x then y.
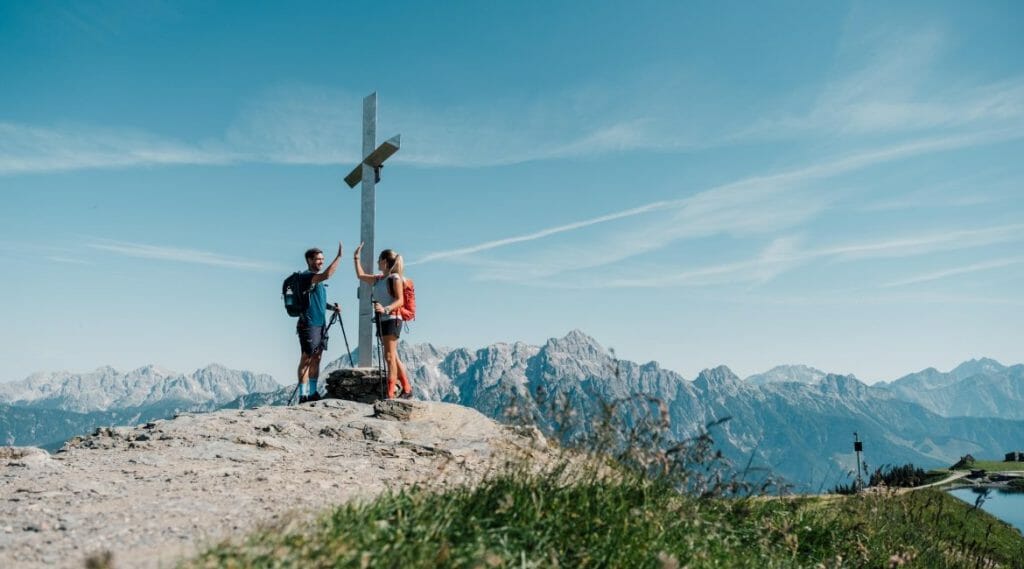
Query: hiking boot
{"type": "Point", "coordinates": [406, 395]}
{"type": "Point", "coordinates": [314, 397]}
{"type": "Point", "coordinates": [303, 399]}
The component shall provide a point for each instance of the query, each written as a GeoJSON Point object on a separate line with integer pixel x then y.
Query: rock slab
{"type": "Point", "coordinates": [362, 384]}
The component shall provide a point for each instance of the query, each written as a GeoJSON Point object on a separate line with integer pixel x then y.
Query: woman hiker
{"type": "Point", "coordinates": [389, 294]}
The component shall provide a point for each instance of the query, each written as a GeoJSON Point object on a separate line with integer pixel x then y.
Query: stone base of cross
{"type": "Point", "coordinates": [362, 384]}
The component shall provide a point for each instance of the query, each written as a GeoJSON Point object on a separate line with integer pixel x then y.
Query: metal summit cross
{"type": "Point", "coordinates": [368, 171]}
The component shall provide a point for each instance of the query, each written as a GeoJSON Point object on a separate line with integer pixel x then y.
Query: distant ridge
{"type": "Point", "coordinates": [976, 388]}
{"type": "Point", "coordinates": [107, 388]}
{"type": "Point", "coordinates": [794, 420]}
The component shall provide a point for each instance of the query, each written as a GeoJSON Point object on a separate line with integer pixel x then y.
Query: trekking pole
{"type": "Point", "coordinates": [380, 357]}
{"type": "Point", "coordinates": [345, 336]}
{"type": "Point", "coordinates": [334, 318]}
{"type": "Point", "coordinates": [326, 334]}
{"type": "Point", "coordinates": [292, 396]}
{"type": "Point", "coordinates": [380, 347]}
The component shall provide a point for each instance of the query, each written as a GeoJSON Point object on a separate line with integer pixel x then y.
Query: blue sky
{"type": "Point", "coordinates": [834, 184]}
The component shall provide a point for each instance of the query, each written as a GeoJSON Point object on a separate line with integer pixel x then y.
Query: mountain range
{"type": "Point", "coordinates": [976, 388]}
{"type": "Point", "coordinates": [794, 421]}
{"type": "Point", "coordinates": [106, 388]}
{"type": "Point", "coordinates": [46, 409]}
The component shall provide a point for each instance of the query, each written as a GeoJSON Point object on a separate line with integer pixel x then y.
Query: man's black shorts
{"type": "Point", "coordinates": [392, 327]}
{"type": "Point", "coordinates": [311, 338]}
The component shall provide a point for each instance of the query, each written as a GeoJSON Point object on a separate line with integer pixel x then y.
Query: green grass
{"type": "Point", "coordinates": [934, 476]}
{"type": "Point", "coordinates": [993, 466]}
{"type": "Point", "coordinates": [546, 520]}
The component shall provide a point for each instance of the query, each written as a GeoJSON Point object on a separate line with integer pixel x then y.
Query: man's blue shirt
{"type": "Point", "coordinates": [316, 313]}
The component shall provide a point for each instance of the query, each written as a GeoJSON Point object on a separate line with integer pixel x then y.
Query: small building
{"type": "Point", "coordinates": [965, 461]}
{"type": "Point", "coordinates": [1015, 456]}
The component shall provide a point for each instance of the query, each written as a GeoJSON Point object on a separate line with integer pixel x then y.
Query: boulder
{"type": "Point", "coordinates": [362, 384]}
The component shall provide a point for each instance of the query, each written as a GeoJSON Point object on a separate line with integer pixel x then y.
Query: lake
{"type": "Point", "coordinates": [1007, 506]}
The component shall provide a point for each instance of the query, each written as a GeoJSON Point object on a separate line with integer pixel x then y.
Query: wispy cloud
{"type": "Point", "coordinates": [862, 296]}
{"type": "Point", "coordinates": [25, 149]}
{"type": "Point", "coordinates": [68, 260]}
{"type": "Point", "coordinates": [784, 255]}
{"type": "Point", "coordinates": [973, 268]}
{"type": "Point", "coordinates": [753, 205]}
{"type": "Point", "coordinates": [438, 255]}
{"type": "Point", "coordinates": [889, 80]}
{"type": "Point", "coordinates": [306, 125]}
{"type": "Point", "coordinates": [896, 89]}
{"type": "Point", "coordinates": [180, 255]}
{"type": "Point", "coordinates": [945, 240]}
{"type": "Point", "coordinates": [885, 81]}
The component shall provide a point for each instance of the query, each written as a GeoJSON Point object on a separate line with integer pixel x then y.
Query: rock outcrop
{"type": "Point", "coordinates": [153, 493]}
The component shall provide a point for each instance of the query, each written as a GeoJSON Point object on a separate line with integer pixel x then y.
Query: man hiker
{"type": "Point", "coordinates": [313, 321]}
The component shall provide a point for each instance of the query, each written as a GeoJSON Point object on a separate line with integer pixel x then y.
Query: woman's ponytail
{"type": "Point", "coordinates": [395, 263]}
{"type": "Point", "coordinates": [395, 267]}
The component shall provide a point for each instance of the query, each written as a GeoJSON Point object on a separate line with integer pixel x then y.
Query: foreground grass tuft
{"type": "Point", "coordinates": [543, 520]}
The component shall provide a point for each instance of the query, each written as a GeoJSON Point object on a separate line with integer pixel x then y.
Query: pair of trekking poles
{"type": "Point", "coordinates": [381, 366]}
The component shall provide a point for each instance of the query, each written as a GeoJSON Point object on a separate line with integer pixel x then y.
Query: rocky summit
{"type": "Point", "coordinates": [156, 492]}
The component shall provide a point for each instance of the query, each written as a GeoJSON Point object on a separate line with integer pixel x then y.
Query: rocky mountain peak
{"type": "Point", "coordinates": [576, 343]}
{"type": "Point", "coordinates": [931, 378]}
{"type": "Point", "coordinates": [976, 366]}
{"type": "Point", "coordinates": [845, 385]}
{"type": "Point", "coordinates": [788, 374]}
{"type": "Point", "coordinates": [716, 378]}
{"type": "Point", "coordinates": [150, 370]}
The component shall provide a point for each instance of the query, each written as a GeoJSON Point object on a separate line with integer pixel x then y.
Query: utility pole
{"type": "Point", "coordinates": [858, 447]}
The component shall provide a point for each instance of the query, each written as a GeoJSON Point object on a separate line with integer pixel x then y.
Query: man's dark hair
{"type": "Point", "coordinates": [311, 253]}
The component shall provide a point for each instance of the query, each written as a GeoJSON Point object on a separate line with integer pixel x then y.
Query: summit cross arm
{"type": "Point", "coordinates": [368, 172]}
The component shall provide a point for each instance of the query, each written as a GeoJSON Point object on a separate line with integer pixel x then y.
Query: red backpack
{"type": "Point", "coordinates": [408, 309]}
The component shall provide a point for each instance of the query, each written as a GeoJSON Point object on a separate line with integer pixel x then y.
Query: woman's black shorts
{"type": "Point", "coordinates": [392, 327]}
